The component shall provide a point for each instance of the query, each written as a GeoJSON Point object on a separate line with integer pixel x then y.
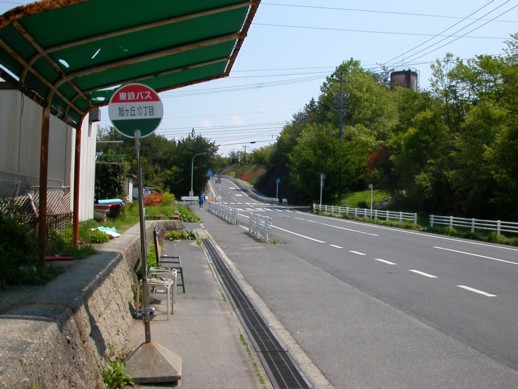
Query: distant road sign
{"type": "Point", "coordinates": [135, 107]}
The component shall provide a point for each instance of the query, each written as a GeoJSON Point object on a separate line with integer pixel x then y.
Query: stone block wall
{"type": "Point", "coordinates": [57, 337]}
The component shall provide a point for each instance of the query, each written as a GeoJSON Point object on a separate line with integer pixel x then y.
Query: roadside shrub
{"type": "Point", "coordinates": [153, 199]}
{"type": "Point", "coordinates": [181, 234]}
{"type": "Point", "coordinates": [61, 244]}
{"type": "Point", "coordinates": [19, 253]}
{"type": "Point", "coordinates": [151, 256]}
{"type": "Point", "coordinates": [98, 237]}
{"type": "Point", "coordinates": [114, 371]}
{"type": "Point", "coordinates": [187, 215]}
{"type": "Point", "coordinates": [168, 199]}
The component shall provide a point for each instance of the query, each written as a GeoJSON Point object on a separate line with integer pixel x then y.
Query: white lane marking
{"type": "Point", "coordinates": [475, 255]}
{"type": "Point", "coordinates": [422, 273]}
{"type": "Point", "coordinates": [477, 291]}
{"type": "Point", "coordinates": [336, 246]}
{"type": "Point", "coordinates": [410, 232]}
{"type": "Point", "coordinates": [385, 261]}
{"type": "Point", "coordinates": [356, 252]}
{"type": "Point", "coordinates": [300, 235]}
{"type": "Point", "coordinates": [340, 228]}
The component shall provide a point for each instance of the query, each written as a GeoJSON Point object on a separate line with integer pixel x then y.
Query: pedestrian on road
{"type": "Point", "coordinates": [201, 200]}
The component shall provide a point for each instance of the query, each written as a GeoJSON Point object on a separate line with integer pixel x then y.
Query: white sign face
{"type": "Point", "coordinates": [135, 107]}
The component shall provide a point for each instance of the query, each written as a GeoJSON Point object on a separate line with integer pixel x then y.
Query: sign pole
{"type": "Point", "coordinates": [136, 111]}
{"type": "Point", "coordinates": [143, 256]}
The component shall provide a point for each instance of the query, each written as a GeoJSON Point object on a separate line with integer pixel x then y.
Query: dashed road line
{"type": "Point", "coordinates": [336, 246]}
{"type": "Point", "coordinates": [340, 228]}
{"type": "Point", "coordinates": [476, 291]}
{"type": "Point", "coordinates": [356, 252]}
{"type": "Point", "coordinates": [422, 273]}
{"type": "Point", "coordinates": [475, 255]}
{"type": "Point", "coordinates": [300, 235]}
{"type": "Point", "coordinates": [385, 261]}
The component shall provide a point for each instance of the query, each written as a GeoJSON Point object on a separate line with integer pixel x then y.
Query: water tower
{"type": "Point", "coordinates": [404, 79]}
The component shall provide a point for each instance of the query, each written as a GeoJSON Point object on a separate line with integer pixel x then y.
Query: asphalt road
{"type": "Point", "coordinates": [374, 306]}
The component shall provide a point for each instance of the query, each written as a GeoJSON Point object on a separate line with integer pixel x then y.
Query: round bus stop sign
{"type": "Point", "coordinates": [135, 107]}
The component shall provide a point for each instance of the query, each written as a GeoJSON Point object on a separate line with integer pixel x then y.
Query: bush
{"type": "Point", "coordinates": [61, 244]}
{"type": "Point", "coordinates": [19, 253]}
{"type": "Point", "coordinates": [181, 234]}
{"type": "Point", "coordinates": [114, 371]}
{"type": "Point", "coordinates": [168, 199]}
{"type": "Point", "coordinates": [115, 376]}
{"type": "Point", "coordinates": [151, 257]}
{"type": "Point", "coordinates": [187, 214]}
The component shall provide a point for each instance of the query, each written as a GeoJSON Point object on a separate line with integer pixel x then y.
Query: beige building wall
{"type": "Point", "coordinates": [20, 143]}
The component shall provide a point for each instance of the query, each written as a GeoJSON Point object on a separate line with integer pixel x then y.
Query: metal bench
{"type": "Point", "coordinates": [168, 261]}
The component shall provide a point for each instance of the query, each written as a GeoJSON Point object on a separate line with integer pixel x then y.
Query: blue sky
{"type": "Point", "coordinates": [293, 45]}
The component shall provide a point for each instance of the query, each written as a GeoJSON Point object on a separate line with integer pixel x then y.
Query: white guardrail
{"type": "Point", "coordinates": [367, 213]}
{"type": "Point", "coordinates": [259, 225]}
{"type": "Point", "coordinates": [254, 195]}
{"type": "Point", "coordinates": [223, 211]}
{"type": "Point", "coordinates": [475, 224]}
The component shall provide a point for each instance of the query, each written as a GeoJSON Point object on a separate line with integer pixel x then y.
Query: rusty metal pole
{"type": "Point", "coordinates": [44, 170]}
{"type": "Point", "coordinates": [143, 256]}
{"type": "Point", "coordinates": [77, 171]}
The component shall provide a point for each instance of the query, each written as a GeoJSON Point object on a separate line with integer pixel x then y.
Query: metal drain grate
{"type": "Point", "coordinates": [281, 369]}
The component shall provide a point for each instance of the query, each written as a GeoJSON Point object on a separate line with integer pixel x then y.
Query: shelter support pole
{"type": "Point", "coordinates": [143, 254]}
{"type": "Point", "coordinates": [77, 171]}
{"type": "Point", "coordinates": [44, 169]}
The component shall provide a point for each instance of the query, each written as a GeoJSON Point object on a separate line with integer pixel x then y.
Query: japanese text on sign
{"type": "Point", "coordinates": [136, 111]}
{"type": "Point", "coordinates": [132, 96]}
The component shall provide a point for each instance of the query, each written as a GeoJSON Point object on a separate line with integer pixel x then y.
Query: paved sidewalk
{"type": "Point", "coordinates": [203, 330]}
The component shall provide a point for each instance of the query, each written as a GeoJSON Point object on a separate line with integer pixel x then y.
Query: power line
{"type": "Point", "coordinates": [238, 88]}
{"type": "Point", "coordinates": [360, 10]}
{"type": "Point", "coordinates": [230, 127]}
{"type": "Point", "coordinates": [455, 38]}
{"type": "Point", "coordinates": [365, 31]}
{"type": "Point", "coordinates": [442, 31]}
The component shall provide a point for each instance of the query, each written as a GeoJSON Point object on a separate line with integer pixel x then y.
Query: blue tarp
{"type": "Point", "coordinates": [111, 201]}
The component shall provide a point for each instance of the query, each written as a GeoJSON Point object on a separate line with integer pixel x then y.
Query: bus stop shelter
{"type": "Point", "coordinates": [71, 55]}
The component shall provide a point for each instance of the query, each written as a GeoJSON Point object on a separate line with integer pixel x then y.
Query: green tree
{"type": "Point", "coordinates": [179, 182]}
{"type": "Point", "coordinates": [316, 152]}
{"type": "Point", "coordinates": [319, 150]}
{"type": "Point", "coordinates": [419, 156]}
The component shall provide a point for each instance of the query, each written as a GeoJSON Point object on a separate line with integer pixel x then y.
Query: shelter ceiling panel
{"type": "Point", "coordinates": [70, 54]}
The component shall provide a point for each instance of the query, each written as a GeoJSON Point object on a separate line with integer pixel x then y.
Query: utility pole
{"type": "Point", "coordinates": [341, 108]}
{"type": "Point", "coordinates": [340, 102]}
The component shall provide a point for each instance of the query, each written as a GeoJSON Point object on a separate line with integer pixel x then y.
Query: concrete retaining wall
{"type": "Point", "coordinates": [57, 337]}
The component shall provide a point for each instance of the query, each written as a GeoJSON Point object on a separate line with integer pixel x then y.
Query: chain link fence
{"type": "Point", "coordinates": [26, 202]}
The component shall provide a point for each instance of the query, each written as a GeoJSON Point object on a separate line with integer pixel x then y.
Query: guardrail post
{"type": "Point", "coordinates": [257, 225]}
{"type": "Point", "coordinates": [266, 228]}
{"type": "Point", "coordinates": [498, 227]}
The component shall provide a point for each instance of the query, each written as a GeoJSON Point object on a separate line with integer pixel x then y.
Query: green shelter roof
{"type": "Point", "coordinates": [72, 55]}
